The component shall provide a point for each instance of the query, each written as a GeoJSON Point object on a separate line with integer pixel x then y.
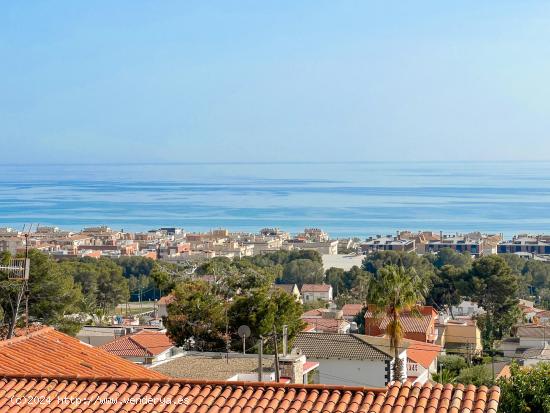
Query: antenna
{"type": "Point", "coordinates": [18, 270]}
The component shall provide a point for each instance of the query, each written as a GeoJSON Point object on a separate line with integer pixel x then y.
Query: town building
{"type": "Point", "coordinates": [351, 359]}
{"type": "Point", "coordinates": [314, 292]}
{"type": "Point", "coordinates": [421, 360]}
{"type": "Point", "coordinates": [45, 351]}
{"type": "Point", "coordinates": [419, 327]}
{"type": "Point", "coordinates": [144, 347]}
{"type": "Point", "coordinates": [387, 243]}
{"type": "Point", "coordinates": [524, 243]}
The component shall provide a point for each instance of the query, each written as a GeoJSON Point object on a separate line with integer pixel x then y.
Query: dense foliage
{"type": "Point", "coordinates": [527, 390]}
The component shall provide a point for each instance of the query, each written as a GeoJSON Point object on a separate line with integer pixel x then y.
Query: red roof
{"type": "Point", "coordinates": [351, 310]}
{"type": "Point", "coordinates": [422, 353]}
{"type": "Point", "coordinates": [412, 323]}
{"type": "Point", "coordinates": [327, 325]}
{"type": "Point", "coordinates": [49, 352]}
{"type": "Point", "coordinates": [141, 344]}
{"type": "Point", "coordinates": [167, 299]}
{"type": "Point", "coordinates": [102, 394]}
{"type": "Point", "coordinates": [316, 288]}
{"type": "Point", "coordinates": [314, 313]}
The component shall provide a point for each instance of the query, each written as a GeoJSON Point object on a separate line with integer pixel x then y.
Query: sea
{"type": "Point", "coordinates": [346, 199]}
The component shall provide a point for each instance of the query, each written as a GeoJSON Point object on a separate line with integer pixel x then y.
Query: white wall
{"type": "Point", "coordinates": [351, 372]}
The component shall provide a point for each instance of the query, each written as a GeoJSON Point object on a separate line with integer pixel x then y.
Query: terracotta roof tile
{"type": "Point", "coordinates": [342, 346]}
{"type": "Point", "coordinates": [326, 325]}
{"type": "Point", "coordinates": [422, 353]}
{"type": "Point", "coordinates": [167, 395]}
{"type": "Point", "coordinates": [351, 310]}
{"type": "Point", "coordinates": [48, 352]}
{"type": "Point", "coordinates": [142, 344]}
{"type": "Point", "coordinates": [316, 288]}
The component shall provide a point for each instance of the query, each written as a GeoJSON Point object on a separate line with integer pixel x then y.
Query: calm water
{"type": "Point", "coordinates": [343, 198]}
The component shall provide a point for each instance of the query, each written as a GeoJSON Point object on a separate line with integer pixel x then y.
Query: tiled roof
{"type": "Point", "coordinates": [351, 310]}
{"type": "Point", "coordinates": [327, 325]}
{"type": "Point", "coordinates": [49, 352]}
{"type": "Point", "coordinates": [289, 288]}
{"type": "Point", "coordinates": [99, 395]}
{"type": "Point", "coordinates": [167, 299]}
{"type": "Point", "coordinates": [540, 353]}
{"type": "Point", "coordinates": [316, 288]}
{"type": "Point", "coordinates": [205, 367]}
{"type": "Point", "coordinates": [422, 353]}
{"type": "Point", "coordinates": [534, 331]}
{"type": "Point", "coordinates": [411, 323]}
{"type": "Point", "coordinates": [141, 344]}
{"type": "Point", "coordinates": [342, 346]}
{"type": "Point", "coordinates": [318, 312]}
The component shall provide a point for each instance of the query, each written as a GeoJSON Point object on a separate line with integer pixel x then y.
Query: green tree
{"type": "Point", "coordinates": [477, 375]}
{"type": "Point", "coordinates": [197, 314]}
{"type": "Point", "coordinates": [302, 271]}
{"type": "Point", "coordinates": [447, 287]}
{"type": "Point", "coordinates": [494, 287]}
{"type": "Point", "coordinates": [53, 295]}
{"type": "Point", "coordinates": [448, 256]}
{"type": "Point", "coordinates": [527, 390]}
{"type": "Point", "coordinates": [452, 363]}
{"type": "Point", "coordinates": [335, 277]}
{"type": "Point", "coordinates": [263, 310]}
{"type": "Point", "coordinates": [422, 266]}
{"type": "Point", "coordinates": [394, 290]}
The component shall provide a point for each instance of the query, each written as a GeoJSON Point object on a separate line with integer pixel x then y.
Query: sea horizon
{"type": "Point", "coordinates": [346, 199]}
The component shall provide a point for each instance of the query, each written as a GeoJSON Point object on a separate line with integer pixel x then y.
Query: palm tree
{"type": "Point", "coordinates": [392, 291]}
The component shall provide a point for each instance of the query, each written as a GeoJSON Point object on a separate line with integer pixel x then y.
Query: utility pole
{"type": "Point", "coordinates": [260, 356]}
{"type": "Point", "coordinates": [277, 376]}
{"type": "Point", "coordinates": [285, 340]}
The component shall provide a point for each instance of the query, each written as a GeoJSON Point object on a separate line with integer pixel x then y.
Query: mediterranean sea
{"type": "Point", "coordinates": [345, 199]}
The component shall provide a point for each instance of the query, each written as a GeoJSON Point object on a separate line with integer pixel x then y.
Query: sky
{"type": "Point", "coordinates": [257, 81]}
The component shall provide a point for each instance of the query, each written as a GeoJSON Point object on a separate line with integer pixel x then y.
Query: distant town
{"type": "Point", "coordinates": [285, 309]}
{"type": "Point", "coordinates": [175, 244]}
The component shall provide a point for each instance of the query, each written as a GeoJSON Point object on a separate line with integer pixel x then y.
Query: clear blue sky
{"type": "Point", "coordinates": [103, 81]}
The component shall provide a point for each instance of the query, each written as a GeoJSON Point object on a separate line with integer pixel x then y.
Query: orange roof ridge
{"type": "Point", "coordinates": [34, 333]}
{"type": "Point", "coordinates": [261, 397]}
{"type": "Point", "coordinates": [171, 380]}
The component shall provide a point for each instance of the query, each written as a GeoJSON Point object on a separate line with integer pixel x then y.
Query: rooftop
{"type": "Point", "coordinates": [412, 323]}
{"type": "Point", "coordinates": [215, 397]}
{"type": "Point", "coordinates": [49, 352]}
{"type": "Point", "coordinates": [142, 344]}
{"type": "Point", "coordinates": [316, 288]}
{"type": "Point", "coordinates": [342, 346]}
{"type": "Point", "coordinates": [212, 367]}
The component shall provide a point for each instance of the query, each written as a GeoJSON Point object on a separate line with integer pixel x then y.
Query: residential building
{"type": "Point", "coordinates": [524, 243]}
{"type": "Point", "coordinates": [291, 289]}
{"type": "Point", "coordinates": [421, 360]}
{"type": "Point", "coordinates": [322, 247]}
{"type": "Point", "coordinates": [387, 243]}
{"type": "Point", "coordinates": [45, 351]}
{"type": "Point", "coordinates": [315, 292]}
{"type": "Point", "coordinates": [293, 368]}
{"type": "Point", "coordinates": [163, 304]}
{"type": "Point", "coordinates": [535, 356]}
{"type": "Point", "coordinates": [164, 396]}
{"type": "Point", "coordinates": [533, 336]}
{"type": "Point", "coordinates": [458, 243]}
{"type": "Point", "coordinates": [466, 308]}
{"type": "Point", "coordinates": [459, 336]}
{"type": "Point", "coordinates": [143, 347]}
{"type": "Point", "coordinates": [350, 311]}
{"type": "Point", "coordinates": [351, 359]}
{"type": "Point", "coordinates": [419, 327]}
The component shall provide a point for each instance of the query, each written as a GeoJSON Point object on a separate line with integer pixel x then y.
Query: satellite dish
{"type": "Point", "coordinates": [244, 331]}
